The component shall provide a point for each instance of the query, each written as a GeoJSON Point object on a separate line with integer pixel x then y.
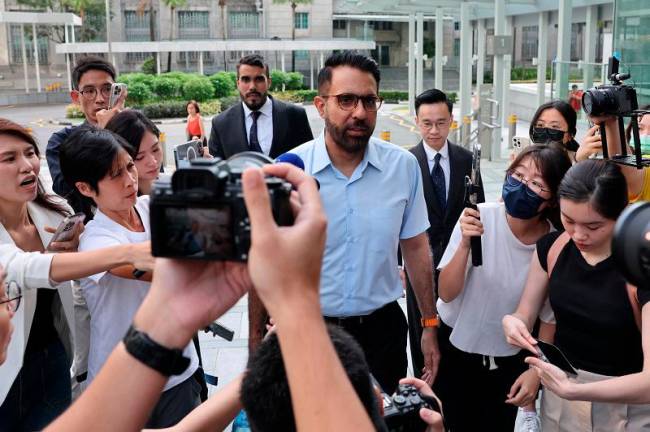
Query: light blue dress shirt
{"type": "Point", "coordinates": [367, 214]}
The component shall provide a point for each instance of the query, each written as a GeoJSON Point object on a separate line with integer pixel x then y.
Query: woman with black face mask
{"type": "Point", "coordinates": [555, 122]}
{"type": "Point", "coordinates": [478, 369]}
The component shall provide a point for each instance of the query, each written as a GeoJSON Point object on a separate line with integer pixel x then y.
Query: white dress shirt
{"type": "Point", "coordinates": [264, 125]}
{"type": "Point", "coordinates": [444, 162]}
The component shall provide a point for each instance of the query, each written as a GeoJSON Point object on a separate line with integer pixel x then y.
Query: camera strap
{"type": "Point", "coordinates": [552, 256]}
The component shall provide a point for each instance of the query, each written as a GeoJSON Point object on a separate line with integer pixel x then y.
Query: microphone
{"type": "Point", "coordinates": [295, 160]}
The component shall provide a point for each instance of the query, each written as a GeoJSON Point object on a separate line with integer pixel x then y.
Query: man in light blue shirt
{"type": "Point", "coordinates": [372, 194]}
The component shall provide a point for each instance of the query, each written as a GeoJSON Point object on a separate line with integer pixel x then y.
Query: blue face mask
{"type": "Point", "coordinates": [645, 144]}
{"type": "Point", "coordinates": [520, 201]}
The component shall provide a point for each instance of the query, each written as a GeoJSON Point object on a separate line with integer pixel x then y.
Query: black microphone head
{"type": "Point", "coordinates": [292, 159]}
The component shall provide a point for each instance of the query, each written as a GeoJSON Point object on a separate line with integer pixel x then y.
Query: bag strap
{"type": "Point", "coordinates": [554, 252]}
{"type": "Point", "coordinates": [634, 301]}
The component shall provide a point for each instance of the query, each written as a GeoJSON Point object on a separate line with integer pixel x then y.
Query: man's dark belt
{"type": "Point", "coordinates": [360, 320]}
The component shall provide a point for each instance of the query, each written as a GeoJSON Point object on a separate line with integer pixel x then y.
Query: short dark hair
{"type": "Point", "coordinates": [131, 125]}
{"type": "Point", "coordinates": [347, 58]}
{"type": "Point", "coordinates": [88, 63]}
{"type": "Point", "coordinates": [432, 96]}
{"type": "Point", "coordinates": [253, 60]}
{"type": "Point", "coordinates": [265, 391]}
{"type": "Point", "coordinates": [564, 109]}
{"type": "Point", "coordinates": [600, 183]}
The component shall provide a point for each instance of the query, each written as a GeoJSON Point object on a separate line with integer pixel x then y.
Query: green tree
{"type": "Point", "coordinates": [92, 12]}
{"type": "Point", "coordinates": [144, 4]}
{"type": "Point", "coordinates": [172, 5]}
{"type": "Point", "coordinates": [294, 4]}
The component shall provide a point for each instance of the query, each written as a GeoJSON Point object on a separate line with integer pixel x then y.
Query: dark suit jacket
{"type": "Point", "coordinates": [442, 223]}
{"type": "Point", "coordinates": [290, 129]}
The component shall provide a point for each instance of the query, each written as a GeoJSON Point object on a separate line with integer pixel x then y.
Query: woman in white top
{"type": "Point", "coordinates": [35, 379]}
{"type": "Point", "coordinates": [481, 378]}
{"type": "Point", "coordinates": [98, 163]}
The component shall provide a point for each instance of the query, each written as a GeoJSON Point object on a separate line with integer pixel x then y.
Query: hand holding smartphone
{"type": "Point", "coordinates": [116, 91]}
{"type": "Point", "coordinates": [552, 354]}
{"type": "Point", "coordinates": [65, 230]}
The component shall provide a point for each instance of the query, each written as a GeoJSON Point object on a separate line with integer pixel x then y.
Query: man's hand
{"type": "Point", "coordinates": [553, 378]}
{"type": "Point", "coordinates": [285, 262]}
{"type": "Point", "coordinates": [431, 353]}
{"type": "Point", "coordinates": [432, 418]}
{"type": "Point", "coordinates": [524, 390]}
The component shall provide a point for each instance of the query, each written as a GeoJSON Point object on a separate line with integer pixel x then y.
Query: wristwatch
{"type": "Point", "coordinates": [165, 360]}
{"type": "Point", "coordinates": [433, 321]}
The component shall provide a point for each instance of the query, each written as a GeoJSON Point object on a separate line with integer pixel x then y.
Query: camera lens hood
{"type": "Point", "coordinates": [631, 244]}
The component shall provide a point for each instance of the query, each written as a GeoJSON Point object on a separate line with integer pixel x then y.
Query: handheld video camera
{"type": "Point", "coordinates": [402, 409]}
{"type": "Point", "coordinates": [200, 213]}
{"type": "Point", "coordinates": [472, 188]}
{"type": "Point", "coordinates": [631, 244]}
{"type": "Point", "coordinates": [617, 99]}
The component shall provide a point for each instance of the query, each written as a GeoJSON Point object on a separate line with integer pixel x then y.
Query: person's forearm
{"type": "Point", "coordinates": [452, 277]}
{"type": "Point", "coordinates": [76, 265]}
{"type": "Point", "coordinates": [419, 269]}
{"type": "Point", "coordinates": [629, 389]}
{"type": "Point", "coordinates": [214, 414]}
{"type": "Point", "coordinates": [322, 396]}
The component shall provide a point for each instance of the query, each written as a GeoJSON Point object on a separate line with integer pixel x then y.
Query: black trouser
{"type": "Point", "coordinates": [473, 396]}
{"type": "Point", "coordinates": [382, 336]}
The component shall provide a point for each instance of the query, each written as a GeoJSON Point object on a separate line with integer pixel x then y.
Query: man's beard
{"type": "Point", "coordinates": [254, 106]}
{"type": "Point", "coordinates": [352, 145]}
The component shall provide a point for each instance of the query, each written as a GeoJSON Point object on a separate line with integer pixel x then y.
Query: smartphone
{"type": "Point", "coordinates": [188, 151]}
{"type": "Point", "coordinates": [65, 230]}
{"type": "Point", "coordinates": [552, 354]}
{"type": "Point", "coordinates": [519, 143]}
{"type": "Point", "coordinates": [116, 92]}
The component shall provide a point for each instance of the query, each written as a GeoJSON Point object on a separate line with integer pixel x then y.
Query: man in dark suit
{"type": "Point", "coordinates": [444, 166]}
{"type": "Point", "coordinates": [260, 123]}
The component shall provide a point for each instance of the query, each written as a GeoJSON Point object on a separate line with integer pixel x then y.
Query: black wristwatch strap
{"type": "Point", "coordinates": [164, 360]}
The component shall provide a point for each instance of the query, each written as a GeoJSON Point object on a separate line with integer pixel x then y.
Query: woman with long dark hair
{"type": "Point", "coordinates": [35, 379]}
{"type": "Point", "coordinates": [555, 122]}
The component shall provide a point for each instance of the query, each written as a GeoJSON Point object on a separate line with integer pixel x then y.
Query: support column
{"type": "Point", "coordinates": [24, 48]}
{"type": "Point", "coordinates": [498, 74]}
{"type": "Point", "coordinates": [365, 30]}
{"type": "Point", "coordinates": [282, 62]}
{"type": "Point", "coordinates": [542, 56]}
{"type": "Point", "coordinates": [507, 70]}
{"type": "Point", "coordinates": [200, 62]}
{"type": "Point", "coordinates": [440, 44]}
{"type": "Point", "coordinates": [67, 57]}
{"type": "Point", "coordinates": [158, 63]}
{"type": "Point", "coordinates": [322, 59]}
{"type": "Point", "coordinates": [591, 36]}
{"type": "Point", "coordinates": [38, 67]}
{"type": "Point", "coordinates": [480, 50]}
{"type": "Point", "coordinates": [74, 40]}
{"type": "Point", "coordinates": [411, 64]}
{"type": "Point", "coordinates": [565, 11]}
{"type": "Point", "coordinates": [311, 70]}
{"type": "Point", "coordinates": [465, 63]}
{"type": "Point", "coordinates": [419, 55]}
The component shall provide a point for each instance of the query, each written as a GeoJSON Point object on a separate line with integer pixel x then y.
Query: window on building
{"type": "Point", "coordinates": [193, 25]}
{"type": "Point", "coordinates": [380, 25]}
{"type": "Point", "coordinates": [301, 20]}
{"type": "Point", "coordinates": [529, 42]}
{"type": "Point", "coordinates": [339, 24]}
{"type": "Point", "coordinates": [456, 47]}
{"type": "Point", "coordinates": [302, 55]}
{"type": "Point", "coordinates": [381, 54]}
{"type": "Point", "coordinates": [426, 26]}
{"type": "Point", "coordinates": [17, 50]}
{"type": "Point", "coordinates": [577, 41]}
{"type": "Point", "coordinates": [243, 25]}
{"type": "Point", "coordinates": [137, 29]}
{"type": "Point", "coordinates": [457, 25]}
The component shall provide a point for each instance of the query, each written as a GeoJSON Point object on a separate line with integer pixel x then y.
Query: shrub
{"type": "Point", "coordinates": [210, 108]}
{"type": "Point", "coordinates": [139, 93]}
{"type": "Point", "coordinates": [294, 81]}
{"type": "Point", "coordinates": [394, 96]}
{"type": "Point", "coordinates": [199, 89]}
{"type": "Point", "coordinates": [165, 109]}
{"type": "Point", "coordinates": [141, 78]}
{"type": "Point", "coordinates": [289, 96]}
{"type": "Point", "coordinates": [228, 101]}
{"type": "Point", "coordinates": [223, 84]}
{"type": "Point", "coordinates": [166, 88]}
{"type": "Point", "coordinates": [73, 111]}
{"type": "Point", "coordinates": [277, 79]}
{"type": "Point", "coordinates": [149, 66]}
{"type": "Point", "coordinates": [233, 77]}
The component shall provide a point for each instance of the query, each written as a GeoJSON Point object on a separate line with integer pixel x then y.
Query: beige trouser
{"type": "Point", "coordinates": [560, 415]}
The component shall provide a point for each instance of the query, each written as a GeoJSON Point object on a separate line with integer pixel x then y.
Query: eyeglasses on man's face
{"type": "Point", "coordinates": [12, 296]}
{"type": "Point", "coordinates": [349, 101]}
{"type": "Point", "coordinates": [90, 92]}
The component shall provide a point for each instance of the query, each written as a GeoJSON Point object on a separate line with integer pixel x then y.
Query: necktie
{"type": "Point", "coordinates": [254, 143]}
{"type": "Point", "coordinates": [438, 177]}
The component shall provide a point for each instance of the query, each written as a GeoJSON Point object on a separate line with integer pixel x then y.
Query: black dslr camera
{"type": "Point", "coordinates": [201, 213]}
{"type": "Point", "coordinates": [402, 409]}
{"type": "Point", "coordinates": [631, 244]}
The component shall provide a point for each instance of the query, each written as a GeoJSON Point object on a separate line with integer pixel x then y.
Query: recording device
{"type": "Point", "coordinates": [402, 409]}
{"type": "Point", "coordinates": [552, 354]}
{"type": "Point", "coordinates": [631, 244]}
{"type": "Point", "coordinates": [187, 151]}
{"type": "Point", "coordinates": [65, 231]}
{"type": "Point", "coordinates": [200, 213]}
{"type": "Point", "coordinates": [619, 100]}
{"type": "Point", "coordinates": [472, 189]}
{"type": "Point", "coordinates": [295, 160]}
{"type": "Point", "coordinates": [519, 143]}
{"type": "Point", "coordinates": [220, 330]}
{"type": "Point", "coordinates": [116, 92]}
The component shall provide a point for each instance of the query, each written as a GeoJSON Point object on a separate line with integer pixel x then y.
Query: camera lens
{"type": "Point", "coordinates": [599, 101]}
{"type": "Point", "coordinates": [631, 244]}
{"type": "Point", "coordinates": [249, 159]}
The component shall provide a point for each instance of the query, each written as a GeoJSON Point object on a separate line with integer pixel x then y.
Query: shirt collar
{"type": "Point", "coordinates": [266, 109]}
{"type": "Point", "coordinates": [322, 158]}
{"type": "Point", "coordinates": [431, 153]}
